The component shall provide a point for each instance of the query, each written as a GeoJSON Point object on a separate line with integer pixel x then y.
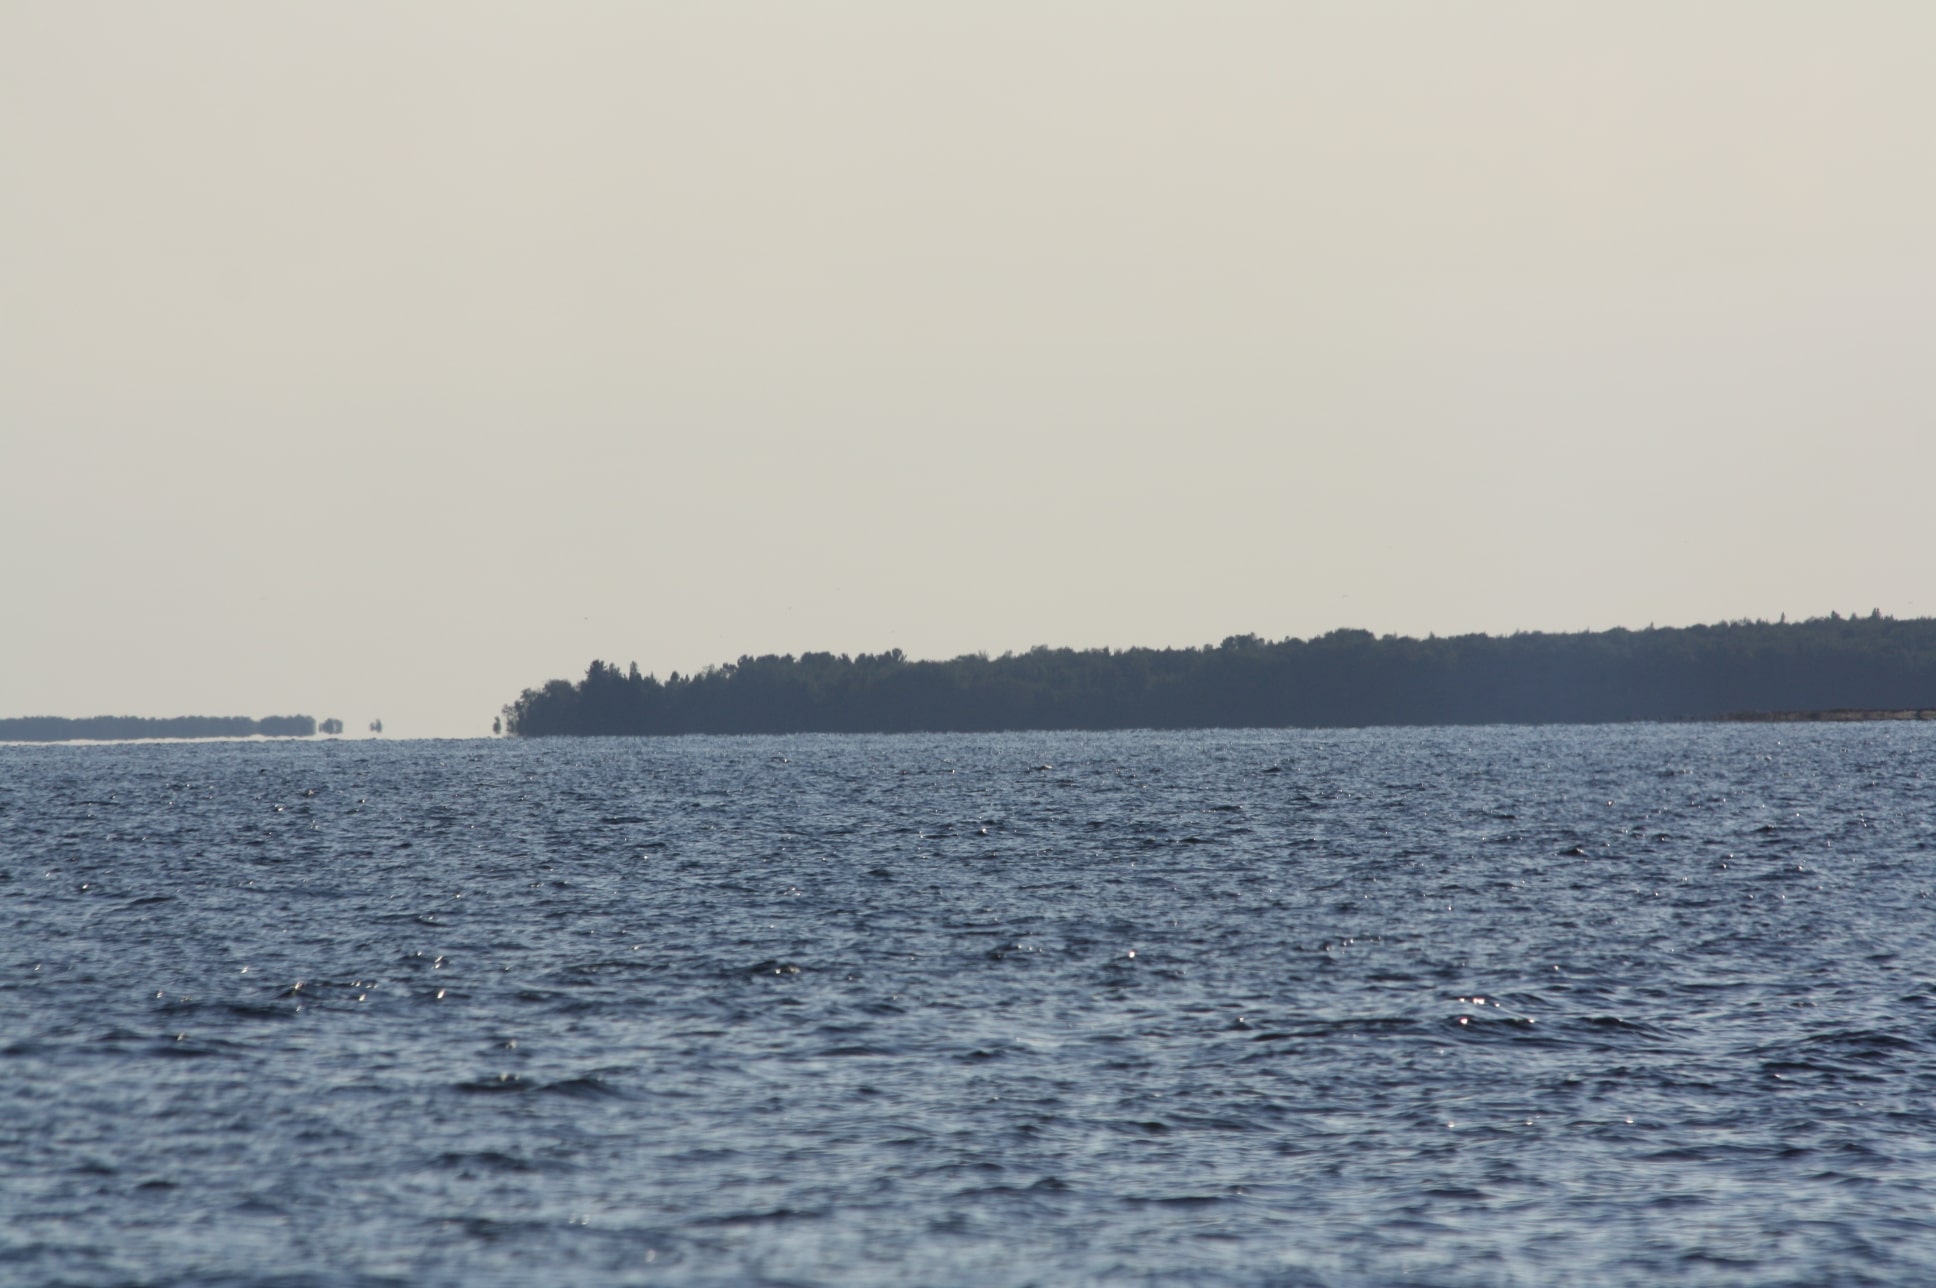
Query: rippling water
{"type": "Point", "coordinates": [1481, 1006]}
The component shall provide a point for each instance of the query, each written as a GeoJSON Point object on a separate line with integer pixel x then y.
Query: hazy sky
{"type": "Point", "coordinates": [383, 359]}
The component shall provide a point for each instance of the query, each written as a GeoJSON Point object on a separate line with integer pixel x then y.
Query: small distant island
{"type": "Point", "coordinates": [121, 728]}
{"type": "Point", "coordinates": [1827, 668]}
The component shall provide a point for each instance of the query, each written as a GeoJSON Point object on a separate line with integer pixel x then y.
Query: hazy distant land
{"type": "Point", "coordinates": [1826, 668]}
{"type": "Point", "coordinates": [118, 728]}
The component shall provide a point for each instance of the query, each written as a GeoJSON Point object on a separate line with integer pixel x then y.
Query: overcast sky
{"type": "Point", "coordinates": [384, 359]}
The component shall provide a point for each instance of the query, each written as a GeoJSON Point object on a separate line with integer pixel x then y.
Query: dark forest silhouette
{"type": "Point", "coordinates": [1349, 677]}
{"type": "Point", "coordinates": [115, 728]}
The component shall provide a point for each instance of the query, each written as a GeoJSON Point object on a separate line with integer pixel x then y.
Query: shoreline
{"type": "Point", "coordinates": [1832, 715]}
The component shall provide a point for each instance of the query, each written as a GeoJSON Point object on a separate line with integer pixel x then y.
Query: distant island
{"type": "Point", "coordinates": [118, 728]}
{"type": "Point", "coordinates": [1861, 667]}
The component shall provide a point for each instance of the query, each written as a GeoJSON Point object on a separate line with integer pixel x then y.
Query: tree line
{"type": "Point", "coordinates": [1345, 678]}
{"type": "Point", "coordinates": [116, 728]}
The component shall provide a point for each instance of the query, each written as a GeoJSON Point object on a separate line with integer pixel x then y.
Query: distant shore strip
{"type": "Point", "coordinates": [127, 728]}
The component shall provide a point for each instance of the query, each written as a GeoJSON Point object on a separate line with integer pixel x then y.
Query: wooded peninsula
{"type": "Point", "coordinates": [1739, 670]}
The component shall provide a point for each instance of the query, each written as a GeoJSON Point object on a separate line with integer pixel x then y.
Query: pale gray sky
{"type": "Point", "coordinates": [383, 359]}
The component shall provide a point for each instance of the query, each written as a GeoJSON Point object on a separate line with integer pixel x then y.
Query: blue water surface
{"type": "Point", "coordinates": [1634, 1004]}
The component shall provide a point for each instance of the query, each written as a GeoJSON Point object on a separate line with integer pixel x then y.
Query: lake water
{"type": "Point", "coordinates": [1636, 1004]}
